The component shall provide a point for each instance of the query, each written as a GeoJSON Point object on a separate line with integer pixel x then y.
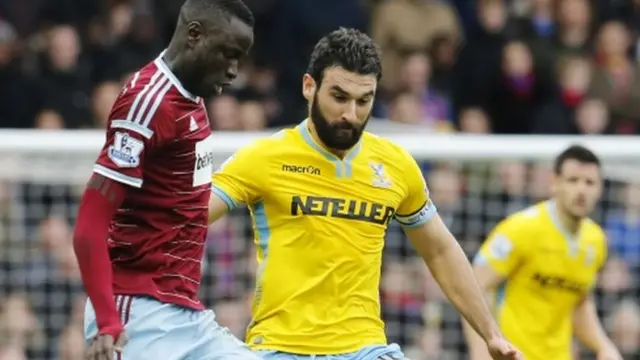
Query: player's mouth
{"type": "Point", "coordinates": [220, 86]}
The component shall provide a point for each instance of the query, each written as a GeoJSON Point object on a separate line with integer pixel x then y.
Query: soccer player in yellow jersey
{"type": "Point", "coordinates": [542, 263]}
{"type": "Point", "coordinates": [321, 196]}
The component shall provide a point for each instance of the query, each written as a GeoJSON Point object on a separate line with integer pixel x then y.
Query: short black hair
{"type": "Point", "coordinates": [578, 153]}
{"type": "Point", "coordinates": [227, 8]}
{"type": "Point", "coordinates": [350, 49]}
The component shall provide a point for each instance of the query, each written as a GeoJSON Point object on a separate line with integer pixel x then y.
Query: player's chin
{"type": "Point", "coordinates": [580, 211]}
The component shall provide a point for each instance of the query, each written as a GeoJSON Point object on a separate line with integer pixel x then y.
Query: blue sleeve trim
{"type": "Point", "coordinates": [480, 259]}
{"type": "Point", "coordinates": [224, 197]}
{"type": "Point", "coordinates": [419, 217]}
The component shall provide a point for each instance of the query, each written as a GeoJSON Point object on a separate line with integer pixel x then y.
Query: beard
{"type": "Point", "coordinates": [341, 135]}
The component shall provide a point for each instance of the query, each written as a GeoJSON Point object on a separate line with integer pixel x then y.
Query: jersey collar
{"type": "Point", "coordinates": [159, 62]}
{"type": "Point", "coordinates": [303, 128]}
{"type": "Point", "coordinates": [555, 218]}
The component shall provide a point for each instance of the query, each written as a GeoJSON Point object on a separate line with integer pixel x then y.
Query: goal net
{"type": "Point", "coordinates": [475, 182]}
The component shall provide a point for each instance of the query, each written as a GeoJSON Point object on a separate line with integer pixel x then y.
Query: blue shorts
{"type": "Point", "coordinates": [165, 331]}
{"type": "Point", "coordinates": [374, 352]}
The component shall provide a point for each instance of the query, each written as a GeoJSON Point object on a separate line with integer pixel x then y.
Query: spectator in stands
{"type": "Point", "coordinates": [624, 325]}
{"type": "Point", "coordinates": [223, 112]}
{"type": "Point", "coordinates": [72, 344]}
{"type": "Point", "coordinates": [474, 120]}
{"type": "Point", "coordinates": [259, 89]}
{"type": "Point", "coordinates": [103, 98]}
{"type": "Point", "coordinates": [434, 109]}
{"type": "Point", "coordinates": [539, 24]}
{"type": "Point", "coordinates": [404, 108]}
{"type": "Point", "coordinates": [49, 119]}
{"type": "Point", "coordinates": [623, 228]}
{"type": "Point", "coordinates": [16, 91]}
{"type": "Point", "coordinates": [540, 182]}
{"type": "Point", "coordinates": [614, 76]}
{"type": "Point", "coordinates": [517, 92]}
{"type": "Point", "coordinates": [421, 22]}
{"type": "Point", "coordinates": [592, 117]}
{"type": "Point", "coordinates": [65, 77]}
{"type": "Point", "coordinates": [572, 35]}
{"type": "Point", "coordinates": [557, 113]}
{"type": "Point", "coordinates": [442, 52]}
{"type": "Point", "coordinates": [19, 328]}
{"type": "Point", "coordinates": [478, 63]}
{"type": "Point", "coordinates": [402, 300]}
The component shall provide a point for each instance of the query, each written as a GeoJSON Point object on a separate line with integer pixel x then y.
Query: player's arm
{"type": "Point", "coordinates": [444, 256]}
{"type": "Point", "coordinates": [100, 201]}
{"type": "Point", "coordinates": [237, 182]}
{"type": "Point", "coordinates": [117, 171]}
{"type": "Point", "coordinates": [589, 330]}
{"type": "Point", "coordinates": [587, 326]}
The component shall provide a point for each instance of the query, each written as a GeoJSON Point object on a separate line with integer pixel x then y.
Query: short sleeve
{"type": "Point", "coordinates": [416, 208]}
{"type": "Point", "coordinates": [238, 181]}
{"type": "Point", "coordinates": [503, 250]}
{"type": "Point", "coordinates": [131, 140]}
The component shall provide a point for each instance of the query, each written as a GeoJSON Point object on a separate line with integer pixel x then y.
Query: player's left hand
{"type": "Point", "coordinates": [609, 352]}
{"type": "Point", "coordinates": [501, 349]}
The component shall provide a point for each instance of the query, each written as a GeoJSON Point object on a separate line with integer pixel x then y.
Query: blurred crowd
{"type": "Point", "coordinates": [501, 66]}
{"type": "Point", "coordinates": [485, 66]}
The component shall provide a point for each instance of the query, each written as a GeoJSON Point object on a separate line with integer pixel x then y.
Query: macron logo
{"type": "Point", "coordinates": [312, 170]}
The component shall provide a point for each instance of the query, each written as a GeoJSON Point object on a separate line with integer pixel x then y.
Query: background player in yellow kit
{"type": "Point", "coordinates": [321, 196]}
{"type": "Point", "coordinates": [542, 264]}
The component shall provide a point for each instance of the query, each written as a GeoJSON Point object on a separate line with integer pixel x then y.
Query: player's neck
{"type": "Point", "coordinates": [174, 63]}
{"type": "Point", "coordinates": [569, 222]}
{"type": "Point", "coordinates": [314, 134]}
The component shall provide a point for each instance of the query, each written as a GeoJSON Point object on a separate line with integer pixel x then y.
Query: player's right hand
{"type": "Point", "coordinates": [104, 348]}
{"type": "Point", "coordinates": [501, 349]}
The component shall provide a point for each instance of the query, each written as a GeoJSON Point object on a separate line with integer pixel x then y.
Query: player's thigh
{"type": "Point", "coordinates": [154, 330]}
{"type": "Point", "coordinates": [215, 342]}
{"type": "Point", "coordinates": [378, 352]}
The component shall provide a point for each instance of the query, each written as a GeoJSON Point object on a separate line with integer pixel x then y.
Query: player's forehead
{"type": "Point", "coordinates": [573, 167]}
{"type": "Point", "coordinates": [355, 85]}
{"type": "Point", "coordinates": [233, 33]}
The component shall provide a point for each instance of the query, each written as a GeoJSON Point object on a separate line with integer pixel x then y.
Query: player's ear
{"type": "Point", "coordinates": [308, 87]}
{"type": "Point", "coordinates": [194, 32]}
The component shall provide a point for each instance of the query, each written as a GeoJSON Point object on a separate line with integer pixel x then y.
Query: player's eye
{"type": "Point", "coordinates": [232, 54]}
{"type": "Point", "coordinates": [363, 102]}
{"type": "Point", "coordinates": [340, 98]}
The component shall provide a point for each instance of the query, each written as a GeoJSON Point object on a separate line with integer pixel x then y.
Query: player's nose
{"type": "Point", "coordinates": [349, 111]}
{"type": "Point", "coordinates": [232, 70]}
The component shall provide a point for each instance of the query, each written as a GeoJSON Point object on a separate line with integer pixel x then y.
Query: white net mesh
{"type": "Point", "coordinates": [42, 298]}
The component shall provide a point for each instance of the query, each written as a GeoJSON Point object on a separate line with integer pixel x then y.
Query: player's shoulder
{"type": "Point", "coordinates": [594, 231]}
{"type": "Point", "coordinates": [386, 147]}
{"type": "Point", "coordinates": [268, 146]}
{"type": "Point", "coordinates": [524, 221]}
{"type": "Point", "coordinates": [143, 105]}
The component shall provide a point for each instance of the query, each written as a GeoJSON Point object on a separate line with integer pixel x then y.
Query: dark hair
{"type": "Point", "coordinates": [347, 48]}
{"type": "Point", "coordinates": [578, 153]}
{"type": "Point", "coordinates": [226, 8]}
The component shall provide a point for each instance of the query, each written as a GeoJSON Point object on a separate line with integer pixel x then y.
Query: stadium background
{"type": "Point", "coordinates": [482, 67]}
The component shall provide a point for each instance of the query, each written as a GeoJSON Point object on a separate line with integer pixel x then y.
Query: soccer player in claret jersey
{"type": "Point", "coordinates": [542, 264]}
{"type": "Point", "coordinates": [143, 217]}
{"type": "Point", "coordinates": [321, 196]}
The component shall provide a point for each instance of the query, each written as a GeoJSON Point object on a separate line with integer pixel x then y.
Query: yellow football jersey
{"type": "Point", "coordinates": [548, 272]}
{"type": "Point", "coordinates": [319, 224]}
